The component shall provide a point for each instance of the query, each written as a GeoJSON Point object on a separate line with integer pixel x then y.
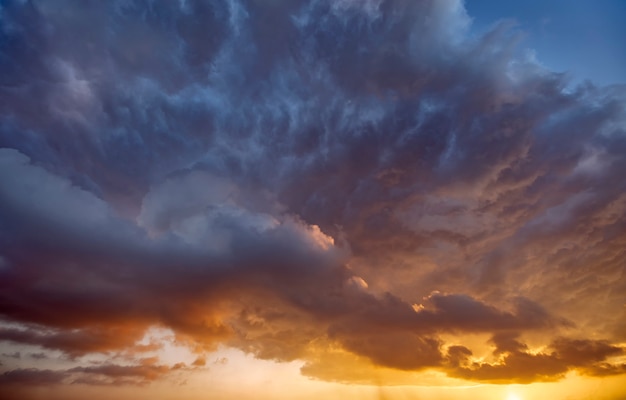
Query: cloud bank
{"type": "Point", "coordinates": [297, 178]}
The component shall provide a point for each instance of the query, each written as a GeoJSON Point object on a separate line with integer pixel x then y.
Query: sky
{"type": "Point", "coordinates": [582, 38]}
{"type": "Point", "coordinates": [290, 199]}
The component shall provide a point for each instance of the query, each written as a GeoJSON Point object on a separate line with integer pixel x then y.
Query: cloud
{"type": "Point", "coordinates": [116, 374]}
{"type": "Point", "coordinates": [140, 373]}
{"type": "Point", "coordinates": [32, 377]}
{"type": "Point", "coordinates": [99, 267]}
{"type": "Point", "coordinates": [38, 356]}
{"type": "Point", "coordinates": [17, 355]}
{"type": "Point", "coordinates": [304, 180]}
{"type": "Point", "coordinates": [75, 342]}
{"type": "Point", "coordinates": [518, 364]}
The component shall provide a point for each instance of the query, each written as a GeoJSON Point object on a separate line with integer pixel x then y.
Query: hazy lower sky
{"type": "Point", "coordinates": [290, 199]}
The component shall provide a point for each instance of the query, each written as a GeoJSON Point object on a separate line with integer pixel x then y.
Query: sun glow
{"type": "Point", "coordinates": [513, 396]}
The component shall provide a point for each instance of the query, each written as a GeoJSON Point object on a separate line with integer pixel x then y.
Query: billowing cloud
{"type": "Point", "coordinates": [304, 180]}
{"type": "Point", "coordinates": [518, 364]}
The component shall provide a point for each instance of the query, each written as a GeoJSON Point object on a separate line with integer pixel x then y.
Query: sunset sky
{"type": "Point", "coordinates": [320, 199]}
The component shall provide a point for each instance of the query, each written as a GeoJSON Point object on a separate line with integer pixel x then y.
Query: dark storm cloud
{"type": "Point", "coordinates": [385, 329]}
{"type": "Point", "coordinates": [232, 170]}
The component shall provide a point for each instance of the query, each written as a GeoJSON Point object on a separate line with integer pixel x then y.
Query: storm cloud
{"type": "Point", "coordinates": [288, 177]}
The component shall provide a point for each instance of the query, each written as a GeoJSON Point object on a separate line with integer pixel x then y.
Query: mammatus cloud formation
{"type": "Point", "coordinates": [304, 180]}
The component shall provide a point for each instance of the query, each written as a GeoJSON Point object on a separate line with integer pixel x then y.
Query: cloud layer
{"type": "Point", "coordinates": [297, 178]}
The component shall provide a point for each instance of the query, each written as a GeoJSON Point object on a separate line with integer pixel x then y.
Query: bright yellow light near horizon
{"type": "Point", "coordinates": [513, 396]}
